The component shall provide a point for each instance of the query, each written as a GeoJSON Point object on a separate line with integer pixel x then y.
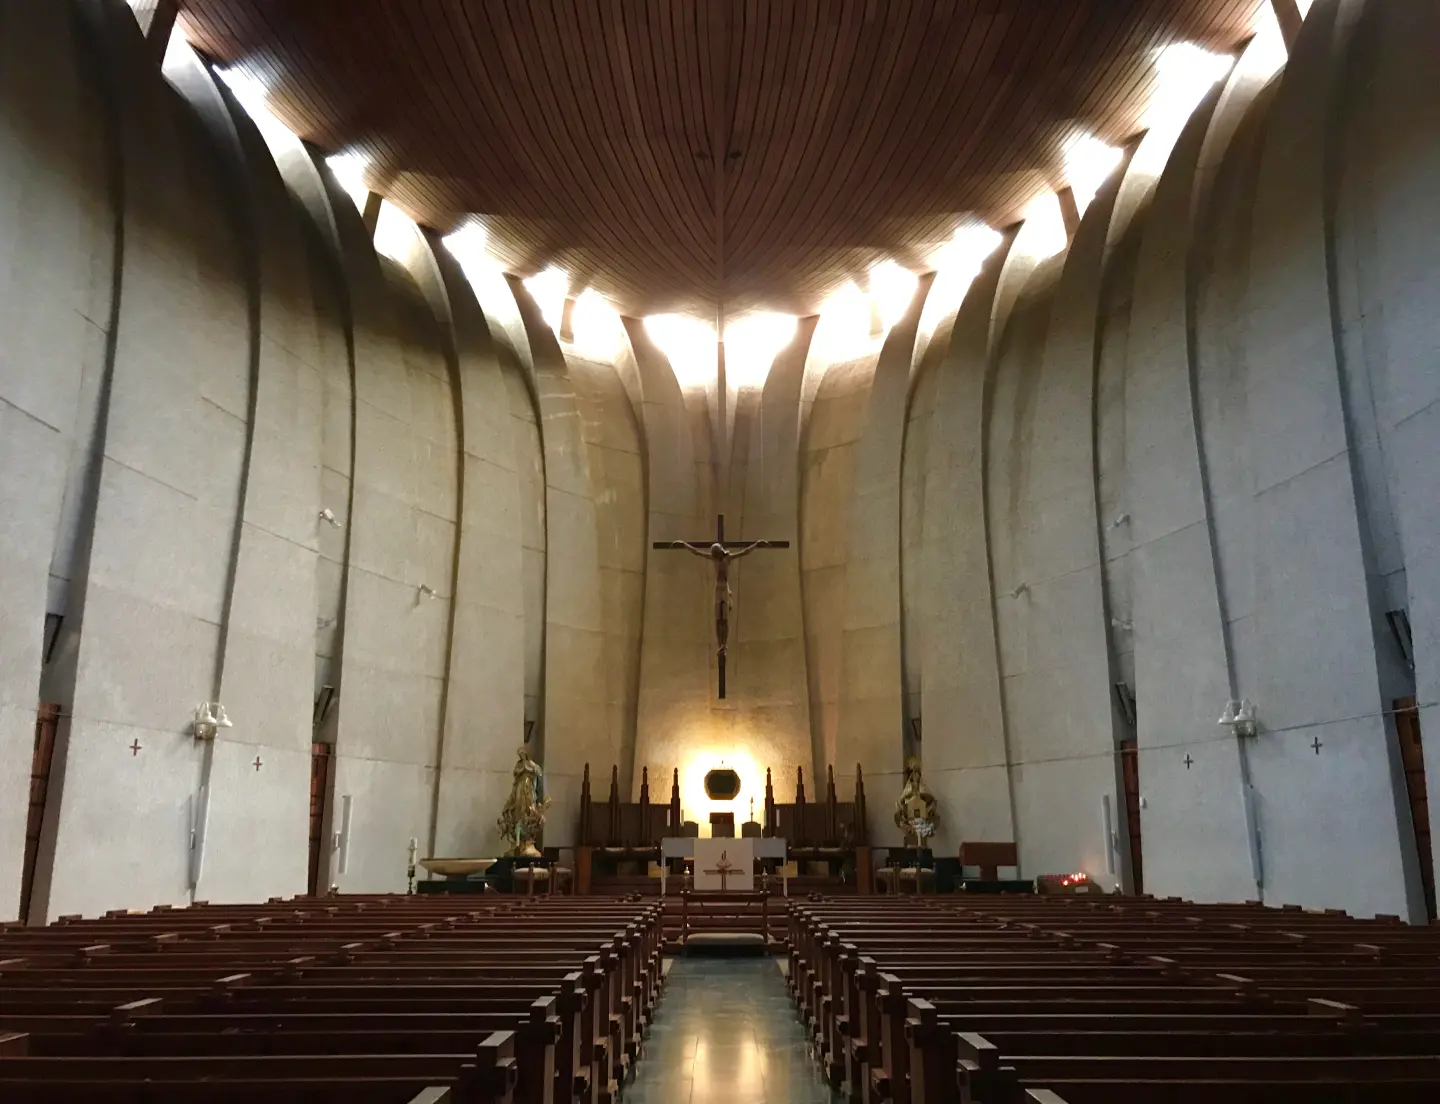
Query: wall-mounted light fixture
{"type": "Point", "coordinates": [327, 515]}
{"type": "Point", "coordinates": [1123, 519]}
{"type": "Point", "coordinates": [209, 719]}
{"type": "Point", "coordinates": [1239, 716]}
{"type": "Point", "coordinates": [426, 591]}
{"type": "Point", "coordinates": [1023, 588]}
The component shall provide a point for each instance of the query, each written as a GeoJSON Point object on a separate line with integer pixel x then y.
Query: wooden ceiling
{"type": "Point", "coordinates": [596, 134]}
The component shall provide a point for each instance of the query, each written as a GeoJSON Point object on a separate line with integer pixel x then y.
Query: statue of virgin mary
{"type": "Point", "coordinates": [523, 817]}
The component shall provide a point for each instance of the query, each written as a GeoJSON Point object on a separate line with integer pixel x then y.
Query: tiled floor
{"type": "Point", "coordinates": [726, 1031]}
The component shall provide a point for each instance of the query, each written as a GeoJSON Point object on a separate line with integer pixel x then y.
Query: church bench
{"type": "Point", "coordinates": [462, 970]}
{"type": "Point", "coordinates": [610, 1032]}
{"type": "Point", "coordinates": [290, 1032]}
{"type": "Point", "coordinates": [1288, 1022]}
{"type": "Point", "coordinates": [335, 1089]}
{"type": "Point", "coordinates": [261, 1079]}
{"type": "Point", "coordinates": [882, 1049]}
{"type": "Point", "coordinates": [1060, 1090]}
{"type": "Point", "coordinates": [434, 959]}
{"type": "Point", "coordinates": [598, 972]}
{"type": "Point", "coordinates": [830, 980]}
{"type": "Point", "coordinates": [1216, 1041]}
{"type": "Point", "coordinates": [1369, 1078]}
{"type": "Point", "coordinates": [993, 1067]}
{"type": "Point", "coordinates": [539, 1033]}
{"type": "Point", "coordinates": [830, 961]}
{"type": "Point", "coordinates": [537, 1029]}
{"type": "Point", "coordinates": [485, 1075]}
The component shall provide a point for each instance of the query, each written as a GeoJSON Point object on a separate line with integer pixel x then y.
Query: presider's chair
{"type": "Point", "coordinates": [907, 866]}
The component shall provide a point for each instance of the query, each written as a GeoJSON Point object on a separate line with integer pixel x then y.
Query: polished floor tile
{"type": "Point", "coordinates": [726, 1031]}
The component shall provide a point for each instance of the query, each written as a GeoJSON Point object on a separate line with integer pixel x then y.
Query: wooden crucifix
{"type": "Point", "coordinates": [720, 552]}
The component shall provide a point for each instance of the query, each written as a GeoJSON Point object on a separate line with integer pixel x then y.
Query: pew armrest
{"type": "Point", "coordinates": [495, 1073]}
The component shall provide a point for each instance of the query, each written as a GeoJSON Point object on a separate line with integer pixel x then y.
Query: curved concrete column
{"type": "Point", "coordinates": [680, 722]}
{"type": "Point", "coordinates": [574, 710]}
{"type": "Point", "coordinates": [830, 426]}
{"type": "Point", "coordinates": [484, 709]}
{"type": "Point", "coordinates": [924, 381]}
{"type": "Point", "coordinates": [1313, 670]}
{"type": "Point", "coordinates": [57, 235]}
{"type": "Point", "coordinates": [870, 729]}
{"type": "Point", "coordinates": [1391, 161]}
{"type": "Point", "coordinates": [161, 553]}
{"type": "Point", "coordinates": [768, 636]}
{"type": "Point", "coordinates": [964, 734]}
{"type": "Point", "coordinates": [1197, 826]}
{"type": "Point", "coordinates": [401, 534]}
{"type": "Point", "coordinates": [615, 445]}
{"type": "Point", "coordinates": [257, 817]}
{"type": "Point", "coordinates": [1058, 693]}
{"type": "Point", "coordinates": [1195, 823]}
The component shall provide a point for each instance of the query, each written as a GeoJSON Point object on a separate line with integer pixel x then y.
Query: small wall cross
{"type": "Point", "coordinates": [1316, 745]}
{"type": "Point", "coordinates": [135, 748]}
{"type": "Point", "coordinates": [1188, 761]}
{"type": "Point", "coordinates": [257, 764]}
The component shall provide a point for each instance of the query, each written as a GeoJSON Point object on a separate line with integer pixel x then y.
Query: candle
{"type": "Point", "coordinates": [414, 845]}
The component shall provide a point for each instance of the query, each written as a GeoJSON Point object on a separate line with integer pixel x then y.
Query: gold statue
{"type": "Point", "coordinates": [523, 817]}
{"type": "Point", "coordinates": [915, 813]}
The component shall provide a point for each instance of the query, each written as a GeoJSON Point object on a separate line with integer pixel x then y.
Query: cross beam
{"type": "Point", "coordinates": [720, 540]}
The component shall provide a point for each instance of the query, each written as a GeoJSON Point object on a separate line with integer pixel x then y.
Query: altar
{"type": "Point", "coordinates": [722, 864]}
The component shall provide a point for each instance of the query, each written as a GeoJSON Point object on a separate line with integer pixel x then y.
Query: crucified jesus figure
{"type": "Point", "coordinates": [720, 553]}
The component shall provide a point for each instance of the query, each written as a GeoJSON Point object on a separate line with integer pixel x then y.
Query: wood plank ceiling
{"type": "Point", "coordinates": [596, 134]}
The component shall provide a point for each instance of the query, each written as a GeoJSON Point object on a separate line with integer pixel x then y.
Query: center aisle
{"type": "Point", "coordinates": [726, 1030]}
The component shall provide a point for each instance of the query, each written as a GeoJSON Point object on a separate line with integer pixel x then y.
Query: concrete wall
{"type": "Point", "coordinates": [831, 431]}
{"type": "Point", "coordinates": [768, 637]}
{"type": "Point", "coordinates": [164, 468]}
{"type": "Point", "coordinates": [1192, 487]}
{"type": "Point", "coordinates": [1307, 554]}
{"type": "Point", "coordinates": [174, 441]}
{"type": "Point", "coordinates": [615, 447]}
{"type": "Point", "coordinates": [871, 726]}
{"type": "Point", "coordinates": [950, 639]}
{"type": "Point", "coordinates": [57, 240]}
{"type": "Point", "coordinates": [763, 722]}
{"type": "Point", "coordinates": [574, 711]}
{"type": "Point", "coordinates": [1194, 454]}
{"type": "Point", "coordinates": [1388, 160]}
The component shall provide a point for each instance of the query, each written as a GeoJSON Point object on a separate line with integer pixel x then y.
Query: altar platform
{"type": "Point", "coordinates": [618, 844]}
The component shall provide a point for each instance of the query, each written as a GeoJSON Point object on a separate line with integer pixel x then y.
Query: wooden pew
{"type": "Point", "coordinates": [1001, 1000]}
{"type": "Point", "coordinates": [559, 1010]}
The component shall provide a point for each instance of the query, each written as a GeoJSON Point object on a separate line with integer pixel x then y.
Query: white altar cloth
{"type": "Point", "coordinates": [684, 847]}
